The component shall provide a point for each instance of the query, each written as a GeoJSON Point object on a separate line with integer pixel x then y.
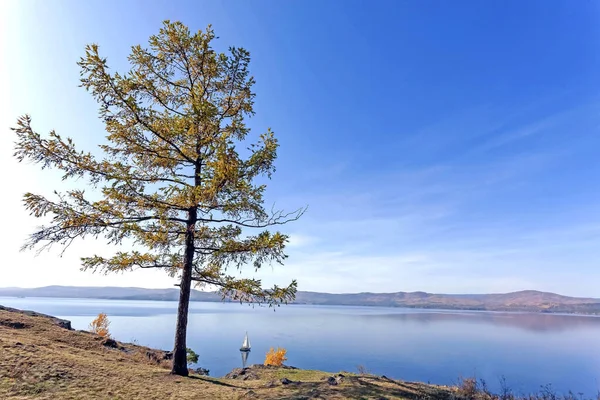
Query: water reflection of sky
{"type": "Point", "coordinates": [426, 345]}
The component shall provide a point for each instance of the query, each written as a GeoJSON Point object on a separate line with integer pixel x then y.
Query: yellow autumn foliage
{"type": "Point", "coordinates": [276, 357]}
{"type": "Point", "coordinates": [100, 325]}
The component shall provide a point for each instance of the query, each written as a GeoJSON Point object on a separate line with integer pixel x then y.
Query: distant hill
{"type": "Point", "coordinates": [527, 300]}
{"type": "Point", "coordinates": [107, 292]}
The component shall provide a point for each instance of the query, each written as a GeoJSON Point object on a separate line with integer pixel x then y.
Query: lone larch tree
{"type": "Point", "coordinates": [169, 179]}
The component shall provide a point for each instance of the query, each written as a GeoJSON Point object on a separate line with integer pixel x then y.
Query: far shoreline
{"type": "Point", "coordinates": [372, 306]}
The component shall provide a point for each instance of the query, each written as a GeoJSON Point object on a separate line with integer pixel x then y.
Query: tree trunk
{"type": "Point", "coordinates": [180, 348]}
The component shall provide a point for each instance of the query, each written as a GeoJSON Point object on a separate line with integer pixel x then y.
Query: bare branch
{"type": "Point", "coordinates": [279, 218]}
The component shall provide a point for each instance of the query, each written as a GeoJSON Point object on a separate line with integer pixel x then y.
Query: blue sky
{"type": "Point", "coordinates": [441, 146]}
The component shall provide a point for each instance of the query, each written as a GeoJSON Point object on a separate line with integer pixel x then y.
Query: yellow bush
{"type": "Point", "coordinates": [100, 325]}
{"type": "Point", "coordinates": [275, 357]}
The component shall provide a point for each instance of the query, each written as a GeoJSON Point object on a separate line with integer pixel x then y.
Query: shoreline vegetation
{"type": "Point", "coordinates": [42, 357]}
{"type": "Point", "coordinates": [522, 301]}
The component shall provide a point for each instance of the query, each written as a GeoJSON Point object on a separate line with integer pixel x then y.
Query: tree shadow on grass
{"type": "Point", "coordinates": [215, 382]}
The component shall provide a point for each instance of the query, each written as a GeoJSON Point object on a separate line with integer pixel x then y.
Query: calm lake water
{"type": "Point", "coordinates": [529, 350]}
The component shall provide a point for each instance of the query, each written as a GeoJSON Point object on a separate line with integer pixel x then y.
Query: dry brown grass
{"type": "Point", "coordinates": [41, 360]}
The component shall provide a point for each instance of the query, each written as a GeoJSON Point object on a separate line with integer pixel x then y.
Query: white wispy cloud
{"type": "Point", "coordinates": [300, 240]}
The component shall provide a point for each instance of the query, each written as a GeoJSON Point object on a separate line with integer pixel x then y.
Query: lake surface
{"type": "Point", "coordinates": [529, 350]}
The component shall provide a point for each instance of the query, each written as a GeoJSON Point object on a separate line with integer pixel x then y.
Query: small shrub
{"type": "Point", "coordinates": [362, 370]}
{"type": "Point", "coordinates": [472, 389]}
{"type": "Point", "coordinates": [192, 357]}
{"type": "Point", "coordinates": [505, 390]}
{"type": "Point", "coordinates": [484, 388]}
{"type": "Point", "coordinates": [547, 393]}
{"type": "Point", "coordinates": [468, 388]}
{"type": "Point", "coordinates": [276, 357]}
{"type": "Point", "coordinates": [99, 326]}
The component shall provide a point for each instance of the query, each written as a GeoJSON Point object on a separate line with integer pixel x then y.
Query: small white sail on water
{"type": "Point", "coordinates": [246, 344]}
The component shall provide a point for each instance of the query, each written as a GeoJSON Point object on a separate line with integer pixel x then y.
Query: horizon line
{"type": "Point", "coordinates": [306, 291]}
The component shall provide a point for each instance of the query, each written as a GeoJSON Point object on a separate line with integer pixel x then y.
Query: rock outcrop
{"type": "Point", "coordinates": [63, 323]}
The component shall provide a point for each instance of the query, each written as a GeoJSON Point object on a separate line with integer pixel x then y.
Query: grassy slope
{"type": "Point", "coordinates": [42, 360]}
